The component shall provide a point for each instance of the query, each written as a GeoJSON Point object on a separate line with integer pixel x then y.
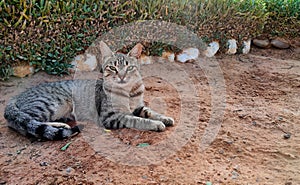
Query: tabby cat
{"type": "Point", "coordinates": [43, 111]}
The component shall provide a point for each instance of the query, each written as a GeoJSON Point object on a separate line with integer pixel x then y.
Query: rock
{"type": "Point", "coordinates": [44, 163]}
{"type": "Point", "coordinates": [69, 170]}
{"type": "Point", "coordinates": [22, 71]}
{"type": "Point", "coordinates": [86, 62]}
{"type": "Point", "coordinates": [169, 56]}
{"type": "Point", "coordinates": [212, 49]}
{"type": "Point", "coordinates": [232, 47]}
{"type": "Point", "coordinates": [208, 183]}
{"type": "Point", "coordinates": [234, 174]}
{"type": "Point", "coordinates": [187, 54]}
{"type": "Point", "coordinates": [246, 46]}
{"type": "Point", "coordinates": [280, 43]}
{"type": "Point", "coordinates": [261, 43]}
{"type": "Point", "coordinates": [287, 135]}
{"type": "Point", "coordinates": [144, 60]}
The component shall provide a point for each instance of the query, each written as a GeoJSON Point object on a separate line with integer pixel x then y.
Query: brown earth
{"type": "Point", "coordinates": [253, 146]}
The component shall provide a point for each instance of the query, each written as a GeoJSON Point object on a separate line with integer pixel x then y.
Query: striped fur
{"type": "Point", "coordinates": [42, 111]}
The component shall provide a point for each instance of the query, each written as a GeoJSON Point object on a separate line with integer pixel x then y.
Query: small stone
{"type": "Point", "coordinates": [2, 182]}
{"type": "Point", "coordinates": [85, 63]}
{"type": "Point", "coordinates": [246, 46]}
{"type": "Point", "coordinates": [187, 55]}
{"type": "Point", "coordinates": [280, 43]}
{"type": "Point", "coordinates": [232, 47]}
{"type": "Point", "coordinates": [212, 49]}
{"type": "Point", "coordinates": [22, 71]}
{"type": "Point", "coordinates": [43, 163]}
{"type": "Point", "coordinates": [208, 183]}
{"type": "Point", "coordinates": [169, 56]}
{"type": "Point", "coordinates": [221, 151]}
{"type": "Point", "coordinates": [287, 135]}
{"type": "Point", "coordinates": [234, 174]}
{"type": "Point", "coordinates": [261, 43]}
{"type": "Point", "coordinates": [69, 170]}
{"type": "Point", "coordinates": [144, 60]}
{"type": "Point", "coordinates": [236, 168]}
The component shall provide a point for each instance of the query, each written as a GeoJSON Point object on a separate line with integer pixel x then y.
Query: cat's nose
{"type": "Point", "coordinates": [121, 75]}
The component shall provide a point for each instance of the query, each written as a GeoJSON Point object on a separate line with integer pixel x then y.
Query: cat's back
{"type": "Point", "coordinates": [46, 92]}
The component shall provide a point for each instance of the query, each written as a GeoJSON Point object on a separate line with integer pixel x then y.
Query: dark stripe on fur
{"type": "Point", "coordinates": [147, 114]}
{"type": "Point", "coordinates": [40, 130]}
{"type": "Point", "coordinates": [108, 115]}
{"type": "Point", "coordinates": [77, 129]}
{"type": "Point", "coordinates": [39, 108]}
{"type": "Point", "coordinates": [59, 135]}
{"type": "Point", "coordinates": [138, 111]}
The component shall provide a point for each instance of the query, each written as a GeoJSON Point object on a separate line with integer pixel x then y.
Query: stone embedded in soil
{"type": "Point", "coordinates": [22, 71]}
{"type": "Point", "coordinates": [232, 47]}
{"type": "Point", "coordinates": [69, 169]}
{"type": "Point", "coordinates": [246, 46]}
{"type": "Point", "coordinates": [86, 62]}
{"type": "Point", "coordinates": [43, 163]}
{"type": "Point", "coordinates": [280, 43]}
{"type": "Point", "coordinates": [187, 55]}
{"type": "Point", "coordinates": [169, 56]}
{"type": "Point", "coordinates": [261, 43]}
{"type": "Point", "coordinates": [287, 135]}
{"type": "Point", "coordinates": [212, 49]}
{"type": "Point", "coordinates": [144, 60]}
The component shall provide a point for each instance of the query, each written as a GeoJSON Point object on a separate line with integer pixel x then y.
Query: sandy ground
{"type": "Point", "coordinates": [253, 146]}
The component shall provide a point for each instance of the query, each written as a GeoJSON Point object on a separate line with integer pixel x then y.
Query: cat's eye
{"type": "Point", "coordinates": [130, 68]}
{"type": "Point", "coordinates": [112, 68]}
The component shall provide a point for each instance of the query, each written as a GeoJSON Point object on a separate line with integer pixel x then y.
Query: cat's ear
{"type": "Point", "coordinates": [136, 51]}
{"type": "Point", "coordinates": [105, 50]}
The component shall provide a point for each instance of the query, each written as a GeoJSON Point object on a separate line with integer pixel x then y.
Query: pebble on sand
{"type": "Point", "coordinates": [85, 63]}
{"type": "Point", "coordinates": [188, 54]}
{"type": "Point", "coordinates": [261, 43]}
{"type": "Point", "coordinates": [212, 49]}
{"type": "Point", "coordinates": [144, 59]}
{"type": "Point", "coordinates": [280, 43]}
{"type": "Point", "coordinates": [169, 56]}
{"type": "Point", "coordinates": [22, 71]}
{"type": "Point", "coordinates": [232, 47]}
{"type": "Point", "coordinates": [246, 46]}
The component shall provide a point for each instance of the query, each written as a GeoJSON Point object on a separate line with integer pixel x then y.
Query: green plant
{"type": "Point", "coordinates": [49, 33]}
{"type": "Point", "coordinates": [5, 72]}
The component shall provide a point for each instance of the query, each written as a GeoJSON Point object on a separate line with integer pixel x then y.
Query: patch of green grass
{"type": "Point", "coordinates": [48, 34]}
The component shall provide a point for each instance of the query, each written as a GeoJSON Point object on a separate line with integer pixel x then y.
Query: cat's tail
{"type": "Point", "coordinates": [25, 124]}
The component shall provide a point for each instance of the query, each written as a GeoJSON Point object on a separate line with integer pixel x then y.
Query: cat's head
{"type": "Point", "coordinates": [120, 68]}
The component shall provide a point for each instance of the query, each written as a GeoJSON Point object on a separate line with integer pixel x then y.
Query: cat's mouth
{"type": "Point", "coordinates": [122, 82]}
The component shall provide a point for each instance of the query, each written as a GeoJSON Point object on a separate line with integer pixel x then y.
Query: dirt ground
{"type": "Point", "coordinates": [258, 142]}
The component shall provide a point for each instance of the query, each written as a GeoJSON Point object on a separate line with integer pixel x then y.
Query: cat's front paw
{"type": "Point", "coordinates": [168, 121]}
{"type": "Point", "coordinates": [159, 126]}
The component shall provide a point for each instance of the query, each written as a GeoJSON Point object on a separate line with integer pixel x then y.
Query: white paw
{"type": "Point", "coordinates": [159, 126]}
